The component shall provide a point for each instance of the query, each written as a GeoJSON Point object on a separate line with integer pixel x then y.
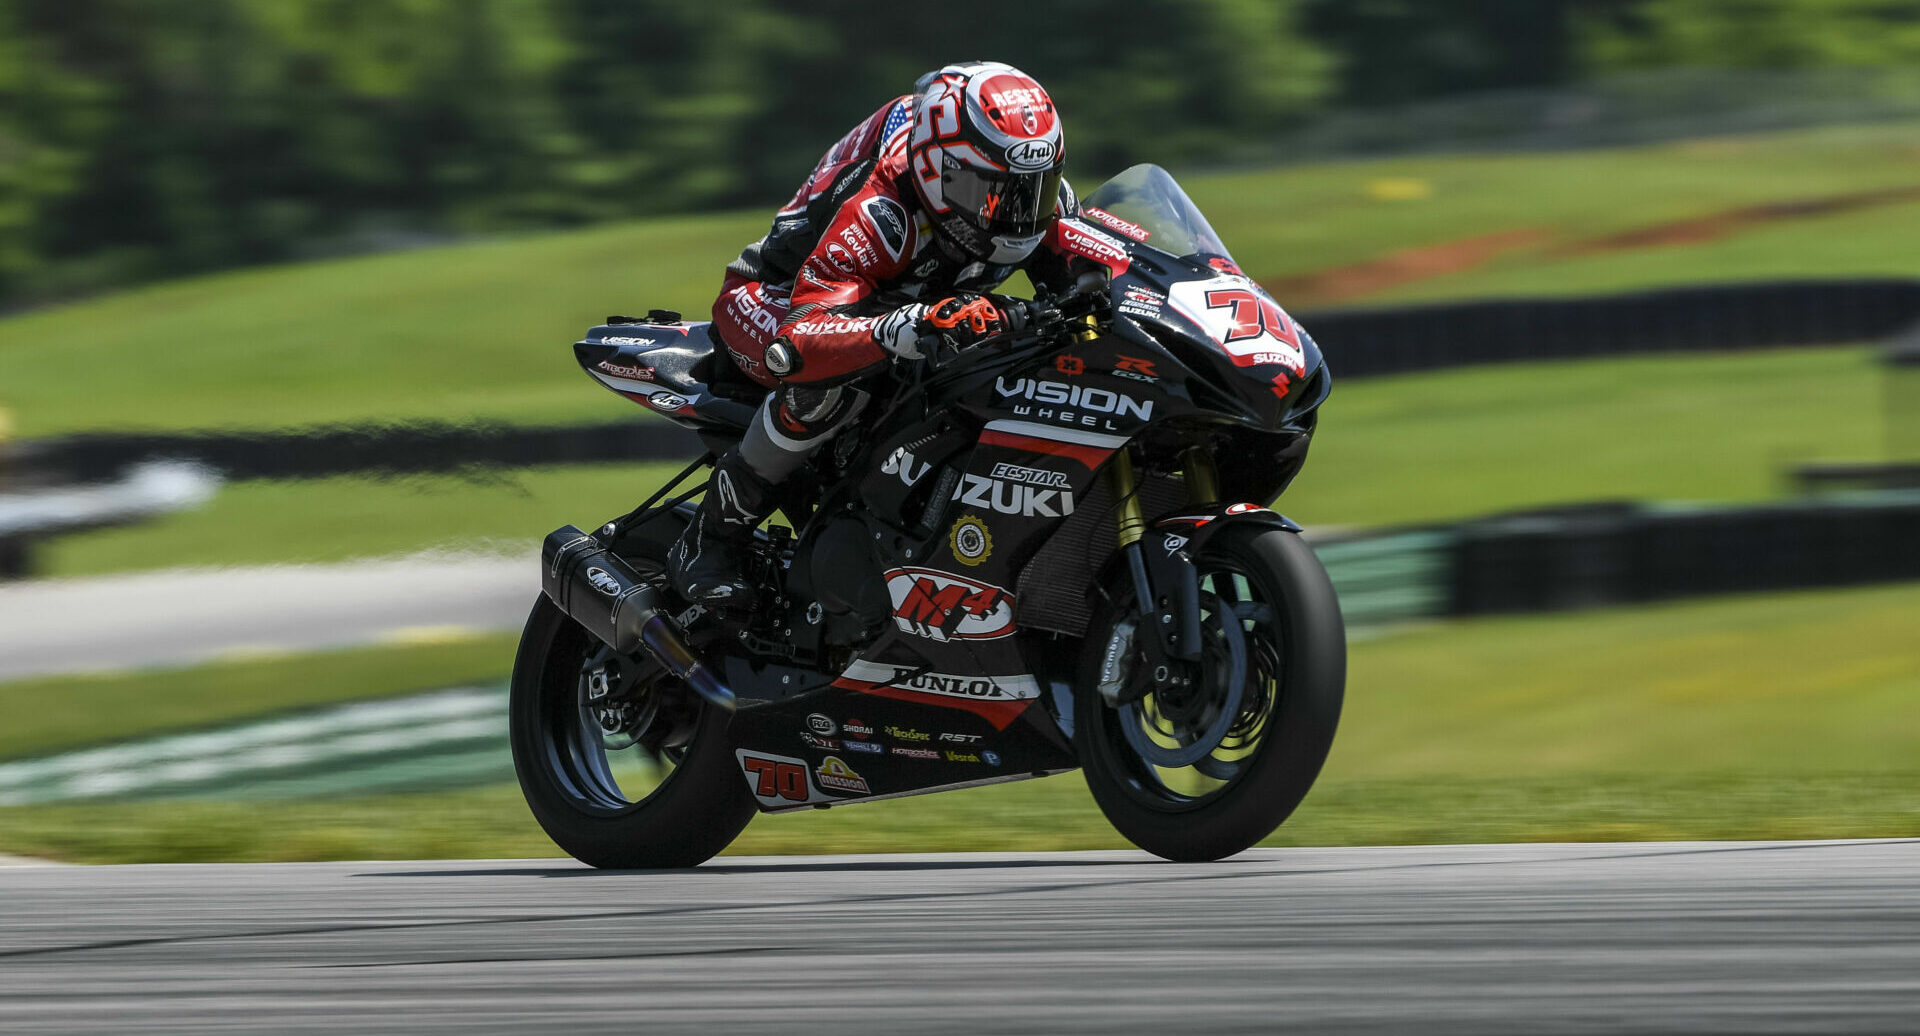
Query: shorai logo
{"type": "Point", "coordinates": [946, 607]}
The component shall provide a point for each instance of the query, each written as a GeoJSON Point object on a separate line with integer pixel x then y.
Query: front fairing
{"type": "Point", "coordinates": [1181, 292]}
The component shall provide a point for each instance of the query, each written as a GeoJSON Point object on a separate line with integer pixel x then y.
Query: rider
{"type": "Point", "coordinates": [932, 201]}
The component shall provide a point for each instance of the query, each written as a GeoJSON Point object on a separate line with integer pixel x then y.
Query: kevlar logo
{"type": "Point", "coordinates": [835, 775]}
{"type": "Point", "coordinates": [856, 239]}
{"type": "Point", "coordinates": [891, 221]}
{"type": "Point", "coordinates": [970, 540]}
{"type": "Point", "coordinates": [940, 606]}
{"type": "Point", "coordinates": [1013, 498]}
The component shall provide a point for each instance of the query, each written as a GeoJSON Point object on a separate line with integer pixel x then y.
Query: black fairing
{"type": "Point", "coordinates": [895, 657]}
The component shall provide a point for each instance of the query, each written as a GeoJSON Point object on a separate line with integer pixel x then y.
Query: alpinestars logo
{"type": "Point", "coordinates": [731, 510]}
{"type": "Point", "coordinates": [940, 606]}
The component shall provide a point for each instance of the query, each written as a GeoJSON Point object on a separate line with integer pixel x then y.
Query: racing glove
{"type": "Point", "coordinates": [963, 320]}
{"type": "Point", "coordinates": [899, 332]}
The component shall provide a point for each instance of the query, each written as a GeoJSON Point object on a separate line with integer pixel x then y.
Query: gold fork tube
{"type": "Point", "coordinates": [1132, 524]}
{"type": "Point", "coordinates": [1203, 480]}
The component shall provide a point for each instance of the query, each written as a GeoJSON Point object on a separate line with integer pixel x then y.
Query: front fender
{"type": "Point", "coordinates": [1169, 547]}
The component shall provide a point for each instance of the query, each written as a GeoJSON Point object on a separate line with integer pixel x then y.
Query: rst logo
{"type": "Point", "coordinates": [1013, 497]}
{"type": "Point", "coordinates": [940, 606]}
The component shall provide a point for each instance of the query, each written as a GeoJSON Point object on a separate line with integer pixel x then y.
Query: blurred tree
{"type": "Point", "coordinates": [1402, 50]}
{"type": "Point", "coordinates": [1760, 34]}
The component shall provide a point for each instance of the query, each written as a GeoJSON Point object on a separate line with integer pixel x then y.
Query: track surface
{"type": "Point", "coordinates": [182, 617]}
{"type": "Point", "coordinates": [1733, 937]}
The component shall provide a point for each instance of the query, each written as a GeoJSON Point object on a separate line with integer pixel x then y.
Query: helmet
{"type": "Point", "coordinates": [984, 155]}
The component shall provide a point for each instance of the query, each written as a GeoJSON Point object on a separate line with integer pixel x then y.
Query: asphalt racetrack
{"type": "Point", "coordinates": [1725, 937]}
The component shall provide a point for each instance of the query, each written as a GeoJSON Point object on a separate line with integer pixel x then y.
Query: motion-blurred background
{"type": "Point", "coordinates": [1617, 482]}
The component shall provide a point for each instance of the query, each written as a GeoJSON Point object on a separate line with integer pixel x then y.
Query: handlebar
{"type": "Point", "coordinates": [1033, 317]}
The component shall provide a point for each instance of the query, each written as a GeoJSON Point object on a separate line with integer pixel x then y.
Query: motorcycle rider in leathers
{"type": "Point", "coordinates": [903, 226]}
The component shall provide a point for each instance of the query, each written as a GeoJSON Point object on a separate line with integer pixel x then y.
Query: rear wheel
{"type": "Point", "coordinates": [1209, 757]}
{"type": "Point", "coordinates": [621, 766]}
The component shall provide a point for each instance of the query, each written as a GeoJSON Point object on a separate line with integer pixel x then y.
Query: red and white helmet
{"type": "Point", "coordinates": [985, 156]}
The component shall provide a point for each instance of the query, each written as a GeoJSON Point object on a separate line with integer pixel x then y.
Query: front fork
{"type": "Point", "coordinates": [1169, 613]}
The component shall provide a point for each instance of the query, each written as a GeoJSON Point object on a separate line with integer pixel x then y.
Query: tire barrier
{"type": "Point", "coordinates": [379, 449]}
{"type": "Point", "coordinates": [1625, 553]}
{"type": "Point", "coordinates": [1708, 318]}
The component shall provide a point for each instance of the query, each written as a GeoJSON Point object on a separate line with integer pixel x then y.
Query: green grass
{"type": "Point", "coordinates": [481, 330]}
{"type": "Point", "coordinates": [1401, 449]}
{"type": "Point", "coordinates": [1791, 716]}
{"type": "Point", "coordinates": [331, 519]}
{"type": "Point", "coordinates": [55, 714]}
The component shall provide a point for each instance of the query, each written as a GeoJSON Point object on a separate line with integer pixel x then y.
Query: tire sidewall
{"type": "Point", "coordinates": [1300, 732]}
{"type": "Point", "coordinates": [698, 811]}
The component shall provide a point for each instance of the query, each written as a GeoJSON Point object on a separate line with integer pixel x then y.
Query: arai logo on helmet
{"type": "Point", "coordinates": [1030, 154]}
{"type": "Point", "coordinates": [603, 582]}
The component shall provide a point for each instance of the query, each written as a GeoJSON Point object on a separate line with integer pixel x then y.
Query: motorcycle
{"type": "Point", "coordinates": [1044, 553]}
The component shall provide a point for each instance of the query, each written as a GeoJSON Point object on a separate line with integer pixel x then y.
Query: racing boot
{"type": "Point", "coordinates": [705, 564]}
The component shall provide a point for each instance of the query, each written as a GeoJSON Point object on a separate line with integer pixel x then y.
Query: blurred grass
{"type": "Point", "coordinates": [1789, 716]}
{"type": "Point", "coordinates": [1402, 449]}
{"type": "Point", "coordinates": [481, 330]}
{"type": "Point", "coordinates": [55, 714]}
{"type": "Point", "coordinates": [332, 519]}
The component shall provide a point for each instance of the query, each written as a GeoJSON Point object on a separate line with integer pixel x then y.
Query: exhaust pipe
{"type": "Point", "coordinates": [603, 593]}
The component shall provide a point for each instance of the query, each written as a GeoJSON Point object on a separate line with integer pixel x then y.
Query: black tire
{"type": "Point", "coordinates": [1305, 678]}
{"type": "Point", "coordinates": [696, 811]}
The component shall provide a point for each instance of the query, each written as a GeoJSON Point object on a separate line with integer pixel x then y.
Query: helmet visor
{"type": "Point", "coordinates": [1001, 203]}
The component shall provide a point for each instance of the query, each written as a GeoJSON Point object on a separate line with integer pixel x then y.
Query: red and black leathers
{"type": "Point", "coordinates": [869, 249]}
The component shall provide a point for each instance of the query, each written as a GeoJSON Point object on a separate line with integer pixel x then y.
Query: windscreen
{"type": "Point", "coordinates": [1147, 197]}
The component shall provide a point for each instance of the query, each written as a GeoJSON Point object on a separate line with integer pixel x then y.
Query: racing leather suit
{"type": "Point", "coordinates": [798, 310]}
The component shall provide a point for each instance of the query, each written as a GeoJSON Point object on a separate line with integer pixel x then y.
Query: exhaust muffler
{"type": "Point", "coordinates": [604, 594]}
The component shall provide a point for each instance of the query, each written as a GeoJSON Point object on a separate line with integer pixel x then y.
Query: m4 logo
{"type": "Point", "coordinates": [940, 606]}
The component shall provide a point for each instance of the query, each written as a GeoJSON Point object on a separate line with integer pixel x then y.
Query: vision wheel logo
{"type": "Point", "coordinates": [971, 542]}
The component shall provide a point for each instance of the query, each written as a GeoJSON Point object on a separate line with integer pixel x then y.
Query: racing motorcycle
{"type": "Point", "coordinates": [1045, 552]}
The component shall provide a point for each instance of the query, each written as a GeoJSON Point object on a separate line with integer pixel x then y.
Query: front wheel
{"type": "Point", "coordinates": [621, 767]}
{"type": "Point", "coordinates": [1212, 758]}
